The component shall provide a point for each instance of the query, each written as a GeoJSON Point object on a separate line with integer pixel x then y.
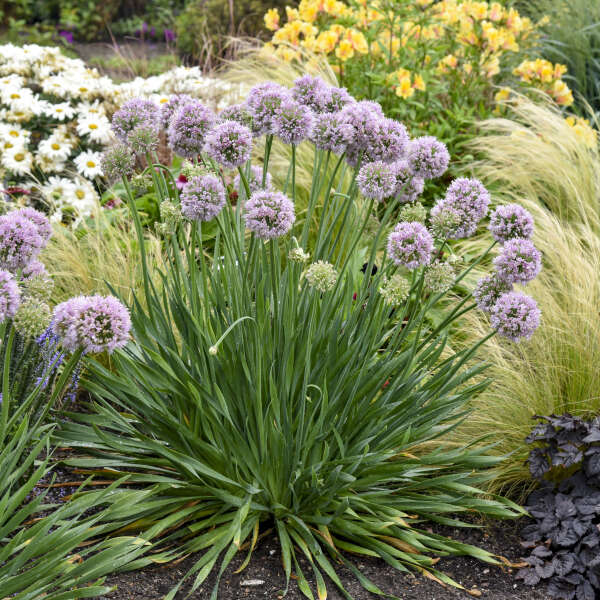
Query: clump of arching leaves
{"type": "Point", "coordinates": [272, 383]}
{"type": "Point", "coordinates": [565, 537]}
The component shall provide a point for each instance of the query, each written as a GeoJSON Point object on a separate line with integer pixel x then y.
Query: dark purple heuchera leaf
{"type": "Point", "coordinates": [565, 535]}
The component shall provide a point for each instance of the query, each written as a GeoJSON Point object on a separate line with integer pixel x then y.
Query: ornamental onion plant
{"type": "Point", "coordinates": [291, 379]}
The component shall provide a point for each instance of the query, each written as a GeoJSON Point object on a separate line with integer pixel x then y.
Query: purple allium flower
{"type": "Point", "coordinates": [376, 180]}
{"type": "Point", "coordinates": [263, 103]}
{"type": "Point", "coordinates": [468, 200]}
{"type": "Point", "coordinates": [117, 161]}
{"type": "Point", "coordinates": [311, 92]}
{"type": "Point", "coordinates": [269, 214]}
{"type": "Point", "coordinates": [254, 180]}
{"type": "Point", "coordinates": [408, 186]}
{"type": "Point", "coordinates": [519, 261]}
{"type": "Point", "coordinates": [331, 132]}
{"type": "Point", "coordinates": [34, 269]}
{"type": "Point", "coordinates": [293, 122]}
{"type": "Point", "coordinates": [91, 323]}
{"type": "Point", "coordinates": [410, 245]}
{"type": "Point", "coordinates": [488, 290]}
{"type": "Point", "coordinates": [511, 221]}
{"type": "Point", "coordinates": [39, 219]}
{"type": "Point", "coordinates": [188, 128]}
{"type": "Point", "coordinates": [133, 113]}
{"type": "Point", "coordinates": [515, 315]}
{"type": "Point", "coordinates": [364, 118]}
{"type": "Point", "coordinates": [428, 157]}
{"type": "Point", "coordinates": [169, 108]}
{"type": "Point", "coordinates": [202, 198]}
{"type": "Point", "coordinates": [389, 142]}
{"type": "Point", "coordinates": [229, 144]}
{"type": "Point", "coordinates": [240, 114]}
{"type": "Point", "coordinates": [20, 241]}
{"type": "Point", "coordinates": [10, 296]}
{"type": "Point", "coordinates": [335, 99]}
{"type": "Point", "coordinates": [143, 139]}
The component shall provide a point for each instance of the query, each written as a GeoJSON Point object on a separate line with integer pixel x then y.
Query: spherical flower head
{"type": "Point", "coordinates": [229, 144]}
{"type": "Point", "coordinates": [410, 245]}
{"type": "Point", "coordinates": [255, 179]}
{"type": "Point", "coordinates": [511, 221]}
{"type": "Point", "coordinates": [92, 324]}
{"type": "Point", "coordinates": [389, 142]}
{"type": "Point", "coordinates": [413, 212]}
{"type": "Point", "coordinates": [468, 200]}
{"type": "Point", "coordinates": [428, 157]}
{"type": "Point", "coordinates": [321, 276]}
{"type": "Point", "coordinates": [331, 132]}
{"type": "Point", "coordinates": [32, 318]}
{"type": "Point", "coordinates": [376, 180]}
{"type": "Point", "coordinates": [364, 118]}
{"type": "Point", "coordinates": [488, 290]}
{"type": "Point", "coordinates": [117, 161]}
{"type": "Point", "coordinates": [202, 198]}
{"type": "Point", "coordinates": [35, 268]}
{"type": "Point", "coordinates": [143, 139]}
{"type": "Point", "coordinates": [515, 316]}
{"type": "Point", "coordinates": [10, 296]}
{"type": "Point", "coordinates": [298, 255]}
{"type": "Point", "coordinates": [188, 129]}
{"type": "Point", "coordinates": [408, 186]}
{"type": "Point", "coordinates": [133, 113]}
{"type": "Point", "coordinates": [293, 122]}
{"type": "Point", "coordinates": [395, 290]}
{"type": "Point", "coordinates": [170, 216]}
{"type": "Point", "coordinates": [168, 109]}
{"type": "Point", "coordinates": [335, 98]}
{"type": "Point", "coordinates": [263, 103]}
{"type": "Point", "coordinates": [38, 286]}
{"type": "Point", "coordinates": [519, 261]}
{"type": "Point", "coordinates": [269, 214]}
{"type": "Point", "coordinates": [20, 241]}
{"type": "Point", "coordinates": [239, 113]}
{"type": "Point", "coordinates": [439, 277]}
{"type": "Point", "coordinates": [311, 92]}
{"type": "Point", "coordinates": [39, 219]}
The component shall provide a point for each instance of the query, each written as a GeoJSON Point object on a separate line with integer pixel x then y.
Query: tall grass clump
{"type": "Point", "coordinates": [548, 169]}
{"type": "Point", "coordinates": [297, 383]}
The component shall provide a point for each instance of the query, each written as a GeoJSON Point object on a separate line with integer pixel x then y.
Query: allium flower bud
{"type": "Point", "coordinates": [263, 103]}
{"type": "Point", "coordinates": [293, 122]}
{"type": "Point", "coordinates": [469, 199]}
{"type": "Point", "coordinates": [143, 138]}
{"type": "Point", "coordinates": [38, 286]}
{"type": "Point", "coordinates": [376, 180]}
{"type": "Point", "coordinates": [189, 170]}
{"type": "Point", "coordinates": [413, 212]}
{"type": "Point", "coordinates": [511, 221]}
{"type": "Point", "coordinates": [322, 276]}
{"type": "Point", "coordinates": [331, 132]}
{"type": "Point", "coordinates": [170, 216]}
{"type": "Point", "coordinates": [117, 162]}
{"type": "Point", "coordinates": [92, 324]}
{"type": "Point", "coordinates": [298, 255]}
{"type": "Point", "coordinates": [519, 261]}
{"type": "Point", "coordinates": [395, 290]}
{"type": "Point", "coordinates": [39, 219]}
{"type": "Point", "coordinates": [439, 277]}
{"type": "Point", "coordinates": [202, 198]}
{"type": "Point", "coordinates": [188, 128]}
{"type": "Point", "coordinates": [515, 316]}
{"type": "Point", "coordinates": [408, 186]}
{"type": "Point", "coordinates": [229, 144]}
{"type": "Point", "coordinates": [444, 222]}
{"type": "Point", "coordinates": [133, 113]}
{"type": "Point", "coordinates": [168, 109]}
{"type": "Point", "coordinates": [254, 180]}
{"type": "Point", "coordinates": [410, 245]}
{"type": "Point", "coordinates": [269, 214]}
{"type": "Point", "coordinates": [10, 296]}
{"type": "Point", "coordinates": [488, 290]}
{"type": "Point", "coordinates": [32, 318]}
{"type": "Point", "coordinates": [428, 157]}
{"type": "Point", "coordinates": [20, 241]}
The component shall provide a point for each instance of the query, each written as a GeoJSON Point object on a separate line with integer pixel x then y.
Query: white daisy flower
{"type": "Point", "coordinates": [88, 164]}
{"type": "Point", "coordinates": [17, 160]}
{"type": "Point", "coordinates": [55, 147]}
{"type": "Point", "coordinates": [82, 196]}
{"type": "Point", "coordinates": [97, 127]}
{"type": "Point", "coordinates": [55, 190]}
{"type": "Point", "coordinates": [60, 111]}
{"type": "Point", "coordinates": [47, 164]}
